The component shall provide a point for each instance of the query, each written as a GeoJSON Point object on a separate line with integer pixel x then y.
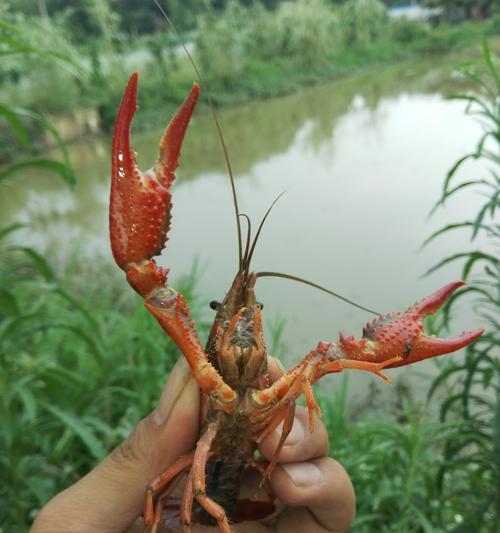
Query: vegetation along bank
{"type": "Point", "coordinates": [245, 50]}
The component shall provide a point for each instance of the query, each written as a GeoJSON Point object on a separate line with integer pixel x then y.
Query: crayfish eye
{"type": "Point", "coordinates": [214, 304]}
{"type": "Point", "coordinates": [261, 305]}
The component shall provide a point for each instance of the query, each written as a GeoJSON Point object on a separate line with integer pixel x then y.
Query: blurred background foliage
{"type": "Point", "coordinates": [278, 45]}
{"type": "Point", "coordinates": [81, 363]}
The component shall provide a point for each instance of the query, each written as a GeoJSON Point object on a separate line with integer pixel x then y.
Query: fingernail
{"type": "Point", "coordinates": [176, 383]}
{"type": "Point", "coordinates": [295, 436]}
{"type": "Point", "coordinates": [303, 474]}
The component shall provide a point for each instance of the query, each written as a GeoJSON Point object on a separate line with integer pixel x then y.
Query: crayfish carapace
{"type": "Point", "coordinates": [240, 405]}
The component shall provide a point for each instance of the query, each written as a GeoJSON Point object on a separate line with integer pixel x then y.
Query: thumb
{"type": "Point", "coordinates": [110, 497]}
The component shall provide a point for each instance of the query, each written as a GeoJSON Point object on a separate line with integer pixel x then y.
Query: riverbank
{"type": "Point", "coordinates": [259, 78]}
{"type": "Point", "coordinates": [235, 68]}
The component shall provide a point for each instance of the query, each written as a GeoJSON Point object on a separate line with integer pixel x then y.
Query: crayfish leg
{"type": "Point", "coordinates": [299, 379]}
{"type": "Point", "coordinates": [160, 488]}
{"type": "Point", "coordinates": [187, 505]}
{"type": "Point", "coordinates": [287, 427]}
{"type": "Point", "coordinates": [312, 405]}
{"type": "Point", "coordinates": [261, 468]}
{"type": "Point", "coordinates": [376, 368]}
{"type": "Point", "coordinates": [201, 456]}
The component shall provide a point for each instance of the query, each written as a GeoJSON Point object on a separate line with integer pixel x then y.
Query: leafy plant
{"type": "Point", "coordinates": [305, 32]}
{"type": "Point", "coordinates": [472, 451]}
{"type": "Point", "coordinates": [363, 21]}
{"type": "Point", "coordinates": [80, 365]}
{"type": "Point", "coordinates": [45, 67]}
{"type": "Point", "coordinates": [390, 454]}
{"type": "Point", "coordinates": [407, 31]}
{"type": "Point", "coordinates": [220, 44]}
{"type": "Point", "coordinates": [13, 43]}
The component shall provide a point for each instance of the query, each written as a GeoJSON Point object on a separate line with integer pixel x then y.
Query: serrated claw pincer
{"type": "Point", "coordinates": [402, 334]}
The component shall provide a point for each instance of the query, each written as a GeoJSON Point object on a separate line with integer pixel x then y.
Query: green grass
{"type": "Point", "coordinates": [392, 455]}
{"type": "Point", "coordinates": [80, 364]}
{"type": "Point", "coordinates": [472, 450]}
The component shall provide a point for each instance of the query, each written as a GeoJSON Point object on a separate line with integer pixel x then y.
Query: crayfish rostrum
{"type": "Point", "coordinates": [240, 405]}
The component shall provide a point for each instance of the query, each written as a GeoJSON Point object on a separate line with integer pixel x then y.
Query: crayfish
{"type": "Point", "coordinates": [240, 406]}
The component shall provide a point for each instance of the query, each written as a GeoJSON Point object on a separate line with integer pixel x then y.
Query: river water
{"type": "Point", "coordinates": [362, 162]}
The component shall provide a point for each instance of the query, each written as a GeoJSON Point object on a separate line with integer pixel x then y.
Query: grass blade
{"type": "Point", "coordinates": [41, 164]}
{"type": "Point", "coordinates": [76, 425]}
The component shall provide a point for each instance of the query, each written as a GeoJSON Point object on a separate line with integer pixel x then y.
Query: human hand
{"type": "Point", "coordinates": [314, 488]}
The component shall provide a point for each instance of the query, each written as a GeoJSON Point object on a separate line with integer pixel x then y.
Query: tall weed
{"type": "Point", "coordinates": [306, 32]}
{"type": "Point", "coordinates": [390, 454]}
{"type": "Point", "coordinates": [220, 44]}
{"type": "Point", "coordinates": [472, 387]}
{"type": "Point", "coordinates": [363, 22]}
{"type": "Point", "coordinates": [44, 71]}
{"type": "Point", "coordinates": [15, 46]}
{"type": "Point", "coordinates": [302, 33]}
{"type": "Point", "coordinates": [80, 366]}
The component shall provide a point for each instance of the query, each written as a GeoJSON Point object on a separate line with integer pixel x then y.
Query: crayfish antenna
{"type": "Point", "coordinates": [219, 133]}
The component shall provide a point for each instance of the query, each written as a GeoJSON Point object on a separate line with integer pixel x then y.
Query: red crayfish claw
{"type": "Point", "coordinates": [403, 335]}
{"type": "Point", "coordinates": [141, 203]}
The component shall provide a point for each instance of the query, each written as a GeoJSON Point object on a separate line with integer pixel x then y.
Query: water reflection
{"type": "Point", "coordinates": [362, 161]}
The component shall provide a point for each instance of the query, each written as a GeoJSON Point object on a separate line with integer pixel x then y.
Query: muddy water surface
{"type": "Point", "coordinates": [362, 162]}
